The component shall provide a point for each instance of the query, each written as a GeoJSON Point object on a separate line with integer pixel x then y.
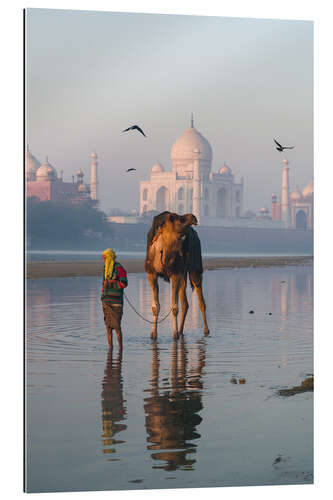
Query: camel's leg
{"type": "Point", "coordinates": [152, 280]}
{"type": "Point", "coordinates": [202, 305]}
{"type": "Point", "coordinates": [184, 303]}
{"type": "Point", "coordinates": [175, 281]}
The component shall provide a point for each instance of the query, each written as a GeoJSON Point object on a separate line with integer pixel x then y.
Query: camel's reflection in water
{"type": "Point", "coordinates": [113, 404]}
{"type": "Point", "coordinates": [172, 413]}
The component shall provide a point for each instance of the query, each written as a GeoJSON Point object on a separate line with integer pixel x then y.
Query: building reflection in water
{"type": "Point", "coordinates": [172, 413]}
{"type": "Point", "coordinates": [93, 306]}
{"type": "Point", "coordinates": [113, 404]}
{"type": "Point", "coordinates": [296, 296]}
{"type": "Point", "coordinates": [38, 307]}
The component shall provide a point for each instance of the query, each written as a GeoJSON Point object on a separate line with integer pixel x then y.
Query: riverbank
{"type": "Point", "coordinates": [63, 269]}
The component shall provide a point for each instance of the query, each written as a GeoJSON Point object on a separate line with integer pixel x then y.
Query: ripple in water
{"type": "Point", "coordinates": [125, 422]}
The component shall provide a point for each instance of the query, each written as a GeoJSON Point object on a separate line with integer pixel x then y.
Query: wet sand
{"type": "Point", "coordinates": [63, 269]}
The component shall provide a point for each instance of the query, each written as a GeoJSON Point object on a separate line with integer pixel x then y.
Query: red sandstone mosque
{"type": "Point", "coordinates": [43, 182]}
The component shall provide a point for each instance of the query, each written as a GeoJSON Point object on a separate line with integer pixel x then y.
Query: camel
{"type": "Point", "coordinates": [173, 252]}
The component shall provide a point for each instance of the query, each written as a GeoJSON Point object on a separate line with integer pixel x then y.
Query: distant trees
{"type": "Point", "coordinates": [62, 225]}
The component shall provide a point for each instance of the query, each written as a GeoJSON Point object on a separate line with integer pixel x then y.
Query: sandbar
{"type": "Point", "coordinates": [75, 268]}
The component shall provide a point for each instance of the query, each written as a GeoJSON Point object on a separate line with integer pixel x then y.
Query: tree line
{"type": "Point", "coordinates": [52, 224]}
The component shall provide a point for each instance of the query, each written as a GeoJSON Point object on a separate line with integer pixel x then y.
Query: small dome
{"type": "Point", "coordinates": [46, 172]}
{"type": "Point", "coordinates": [285, 161]}
{"type": "Point", "coordinates": [264, 210]}
{"type": "Point", "coordinates": [94, 155]}
{"type": "Point", "coordinates": [296, 195]}
{"type": "Point", "coordinates": [308, 190]}
{"type": "Point", "coordinates": [31, 166]}
{"type": "Point", "coordinates": [225, 170]}
{"type": "Point", "coordinates": [158, 167]}
{"type": "Point", "coordinates": [83, 188]}
{"type": "Point", "coordinates": [79, 173]}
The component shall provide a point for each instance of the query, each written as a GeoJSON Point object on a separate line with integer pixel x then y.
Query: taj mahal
{"type": "Point", "coordinates": [191, 186]}
{"type": "Point", "coordinates": [216, 199]}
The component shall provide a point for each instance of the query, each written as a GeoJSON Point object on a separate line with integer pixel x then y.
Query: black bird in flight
{"type": "Point", "coordinates": [281, 148]}
{"type": "Point", "coordinates": [130, 169]}
{"type": "Point", "coordinates": [135, 127]}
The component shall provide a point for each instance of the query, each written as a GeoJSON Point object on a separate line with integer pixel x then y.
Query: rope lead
{"type": "Point", "coordinates": [142, 317]}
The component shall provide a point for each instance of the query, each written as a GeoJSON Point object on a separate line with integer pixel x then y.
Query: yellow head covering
{"type": "Point", "coordinates": [110, 256]}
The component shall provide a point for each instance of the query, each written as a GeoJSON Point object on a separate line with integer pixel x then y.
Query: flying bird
{"type": "Point", "coordinates": [135, 127]}
{"type": "Point", "coordinates": [281, 148]}
{"type": "Point", "coordinates": [130, 169]}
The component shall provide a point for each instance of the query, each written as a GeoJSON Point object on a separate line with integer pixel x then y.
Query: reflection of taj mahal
{"type": "Point", "coordinates": [191, 186]}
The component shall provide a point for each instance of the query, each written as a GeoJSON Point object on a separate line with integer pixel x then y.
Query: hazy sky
{"type": "Point", "coordinates": [92, 74]}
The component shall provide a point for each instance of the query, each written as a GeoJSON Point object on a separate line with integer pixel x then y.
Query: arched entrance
{"type": "Point", "coordinates": [222, 203]}
{"type": "Point", "coordinates": [180, 194]}
{"type": "Point", "coordinates": [162, 198]}
{"type": "Point", "coordinates": [301, 220]}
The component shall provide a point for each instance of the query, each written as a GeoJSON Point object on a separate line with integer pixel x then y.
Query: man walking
{"type": "Point", "coordinates": [112, 295]}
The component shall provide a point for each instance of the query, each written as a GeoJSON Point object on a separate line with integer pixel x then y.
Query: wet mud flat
{"type": "Point", "coordinates": [305, 386]}
{"type": "Point", "coordinates": [165, 414]}
{"type": "Point", "coordinates": [63, 269]}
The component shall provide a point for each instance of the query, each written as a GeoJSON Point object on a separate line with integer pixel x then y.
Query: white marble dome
{"type": "Point", "coordinates": [46, 172]}
{"type": "Point", "coordinates": [308, 190]}
{"type": "Point", "coordinates": [157, 168]}
{"type": "Point", "coordinates": [183, 148]}
{"type": "Point", "coordinates": [31, 166]}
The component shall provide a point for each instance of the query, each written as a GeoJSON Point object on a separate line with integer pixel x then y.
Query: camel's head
{"type": "Point", "coordinates": [172, 234]}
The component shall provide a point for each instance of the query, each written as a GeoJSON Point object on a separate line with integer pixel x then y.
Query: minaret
{"type": "Point", "coordinates": [196, 185]}
{"type": "Point", "coordinates": [285, 205]}
{"type": "Point", "coordinates": [79, 176]}
{"type": "Point", "coordinates": [93, 177]}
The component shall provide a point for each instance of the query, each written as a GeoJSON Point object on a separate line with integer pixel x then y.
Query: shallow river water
{"type": "Point", "coordinates": [165, 414]}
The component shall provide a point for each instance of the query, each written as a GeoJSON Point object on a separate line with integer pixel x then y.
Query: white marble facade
{"type": "Point", "coordinates": [191, 186]}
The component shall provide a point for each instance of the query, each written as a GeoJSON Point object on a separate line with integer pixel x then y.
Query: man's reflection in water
{"type": "Point", "coordinates": [113, 407]}
{"type": "Point", "coordinates": [172, 413]}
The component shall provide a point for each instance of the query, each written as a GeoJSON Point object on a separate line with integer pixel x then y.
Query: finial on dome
{"type": "Point", "coordinates": [47, 159]}
{"type": "Point", "coordinates": [192, 121]}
